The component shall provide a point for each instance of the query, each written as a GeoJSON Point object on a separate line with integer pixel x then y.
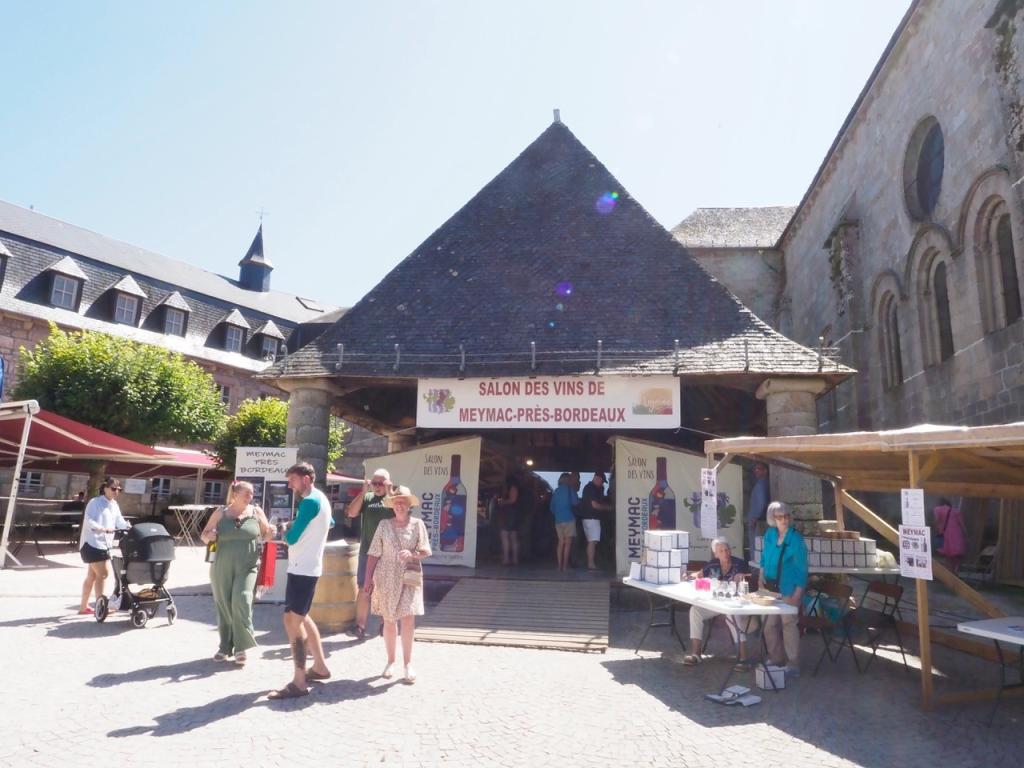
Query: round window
{"type": "Point", "coordinates": [922, 168]}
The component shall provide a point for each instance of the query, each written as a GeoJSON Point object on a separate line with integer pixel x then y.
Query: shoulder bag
{"type": "Point", "coordinates": [412, 575]}
{"type": "Point", "coordinates": [939, 539]}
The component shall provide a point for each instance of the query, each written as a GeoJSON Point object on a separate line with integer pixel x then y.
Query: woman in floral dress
{"type": "Point", "coordinates": [397, 548]}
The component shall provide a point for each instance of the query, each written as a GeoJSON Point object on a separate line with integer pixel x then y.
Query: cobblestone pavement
{"type": "Point", "coordinates": [109, 695]}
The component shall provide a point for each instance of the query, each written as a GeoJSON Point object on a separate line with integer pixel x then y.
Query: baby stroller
{"type": "Point", "coordinates": [144, 559]}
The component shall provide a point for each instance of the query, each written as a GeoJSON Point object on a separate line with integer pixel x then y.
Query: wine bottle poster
{"type": "Point", "coordinates": [445, 477]}
{"type": "Point", "coordinates": [659, 487]}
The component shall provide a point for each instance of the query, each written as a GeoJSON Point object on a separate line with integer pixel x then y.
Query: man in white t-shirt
{"type": "Point", "coordinates": [306, 537]}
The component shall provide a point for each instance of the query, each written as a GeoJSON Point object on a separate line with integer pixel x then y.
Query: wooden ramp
{"type": "Point", "coordinates": [564, 616]}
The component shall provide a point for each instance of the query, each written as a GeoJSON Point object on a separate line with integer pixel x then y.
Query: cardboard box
{"type": "Point", "coordinates": [849, 546]}
{"type": "Point", "coordinates": [656, 575]}
{"type": "Point", "coordinates": [660, 540]}
{"type": "Point", "coordinates": [636, 570]}
{"type": "Point", "coordinates": [682, 539]}
{"type": "Point", "coordinates": [814, 559]}
{"type": "Point", "coordinates": [818, 545]}
{"type": "Point", "coordinates": [862, 560]}
{"type": "Point", "coordinates": [778, 676]}
{"type": "Point", "coordinates": [870, 547]}
{"type": "Point", "coordinates": [664, 558]}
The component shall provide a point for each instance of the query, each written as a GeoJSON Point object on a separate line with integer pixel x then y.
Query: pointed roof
{"type": "Point", "coordinates": [68, 266]}
{"type": "Point", "coordinates": [128, 285]}
{"type": "Point", "coordinates": [3, 250]}
{"type": "Point", "coordinates": [734, 227]}
{"type": "Point", "coordinates": [177, 301]}
{"type": "Point", "coordinates": [271, 330]}
{"type": "Point", "coordinates": [234, 317]}
{"type": "Point", "coordinates": [255, 253]}
{"type": "Point", "coordinates": [553, 251]}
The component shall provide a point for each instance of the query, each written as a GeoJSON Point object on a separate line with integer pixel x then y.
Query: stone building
{"type": "Point", "coordinates": [52, 271]}
{"type": "Point", "coordinates": [907, 250]}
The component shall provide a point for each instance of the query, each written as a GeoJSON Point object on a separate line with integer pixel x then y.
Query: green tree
{"type": "Point", "coordinates": [264, 423]}
{"type": "Point", "coordinates": [139, 391]}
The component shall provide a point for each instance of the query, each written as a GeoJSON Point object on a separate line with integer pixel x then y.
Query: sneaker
{"type": "Point", "coordinates": [792, 671]}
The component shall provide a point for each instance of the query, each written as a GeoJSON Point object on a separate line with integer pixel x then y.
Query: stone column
{"type": "Point", "coordinates": [309, 418]}
{"type": "Point", "coordinates": [791, 410]}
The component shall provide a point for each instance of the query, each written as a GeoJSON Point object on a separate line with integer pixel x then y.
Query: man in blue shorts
{"type": "Point", "coordinates": [306, 538]}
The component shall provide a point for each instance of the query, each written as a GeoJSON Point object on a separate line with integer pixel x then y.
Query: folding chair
{"type": "Point", "coordinates": [983, 568]}
{"type": "Point", "coordinates": [829, 615]}
{"type": "Point", "coordinates": [877, 621]}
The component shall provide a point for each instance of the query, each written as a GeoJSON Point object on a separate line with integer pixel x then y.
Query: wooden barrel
{"type": "Point", "coordinates": [334, 602]}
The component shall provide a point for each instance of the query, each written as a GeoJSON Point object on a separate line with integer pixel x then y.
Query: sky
{"type": "Point", "coordinates": [359, 128]}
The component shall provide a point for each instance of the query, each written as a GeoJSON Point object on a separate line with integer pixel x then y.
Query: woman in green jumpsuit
{"type": "Point", "coordinates": [238, 528]}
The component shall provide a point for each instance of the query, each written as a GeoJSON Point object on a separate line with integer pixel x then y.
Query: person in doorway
{"type": "Point", "coordinates": [396, 576]}
{"type": "Point", "coordinates": [951, 534]}
{"type": "Point", "coordinates": [784, 570]}
{"type": "Point", "coordinates": [102, 517]}
{"type": "Point", "coordinates": [724, 567]}
{"type": "Point", "coordinates": [757, 506]}
{"type": "Point", "coordinates": [591, 506]}
{"type": "Point", "coordinates": [238, 527]}
{"type": "Point", "coordinates": [369, 504]}
{"type": "Point", "coordinates": [305, 538]}
{"type": "Point", "coordinates": [76, 504]}
{"type": "Point", "coordinates": [563, 506]}
{"type": "Point", "coordinates": [510, 505]}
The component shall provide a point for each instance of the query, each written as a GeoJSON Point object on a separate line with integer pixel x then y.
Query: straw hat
{"type": "Point", "coordinates": [402, 492]}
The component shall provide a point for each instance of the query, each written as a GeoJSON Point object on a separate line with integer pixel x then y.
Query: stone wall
{"type": "Point", "coordinates": [945, 65]}
{"type": "Point", "coordinates": [754, 275]}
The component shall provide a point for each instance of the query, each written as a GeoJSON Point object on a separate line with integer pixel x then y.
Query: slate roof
{"type": "Point", "coordinates": [255, 252]}
{"type": "Point", "coordinates": [67, 266]}
{"type": "Point", "coordinates": [177, 301]}
{"type": "Point", "coordinates": [128, 285]}
{"type": "Point", "coordinates": [271, 330]}
{"type": "Point", "coordinates": [556, 252]}
{"type": "Point", "coordinates": [39, 228]}
{"type": "Point", "coordinates": [734, 227]}
{"type": "Point", "coordinates": [234, 317]}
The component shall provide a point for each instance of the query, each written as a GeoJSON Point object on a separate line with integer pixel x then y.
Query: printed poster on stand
{"type": "Point", "coordinates": [265, 468]}
{"type": "Point", "coordinates": [915, 552]}
{"type": "Point", "coordinates": [659, 487]}
{"type": "Point", "coordinates": [445, 476]}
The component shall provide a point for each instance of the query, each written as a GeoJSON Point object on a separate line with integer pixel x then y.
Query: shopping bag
{"type": "Point", "coordinates": [268, 565]}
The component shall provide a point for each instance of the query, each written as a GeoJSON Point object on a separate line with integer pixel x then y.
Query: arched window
{"type": "Point", "coordinates": [889, 333]}
{"type": "Point", "coordinates": [940, 294]}
{"type": "Point", "coordinates": [923, 166]}
{"type": "Point", "coordinates": [1003, 243]}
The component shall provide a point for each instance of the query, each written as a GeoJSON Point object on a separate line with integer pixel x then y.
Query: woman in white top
{"type": "Point", "coordinates": [102, 518]}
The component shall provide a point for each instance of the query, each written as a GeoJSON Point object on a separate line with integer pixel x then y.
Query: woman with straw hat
{"type": "Point", "coordinates": [395, 576]}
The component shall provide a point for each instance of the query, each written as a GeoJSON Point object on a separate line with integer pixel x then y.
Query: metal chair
{"type": "Point", "coordinates": [875, 622]}
{"type": "Point", "coordinates": [829, 615]}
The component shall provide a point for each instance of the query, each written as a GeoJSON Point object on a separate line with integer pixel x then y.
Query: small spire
{"type": "Point", "coordinates": [558, 115]}
{"type": "Point", "coordinates": [255, 252]}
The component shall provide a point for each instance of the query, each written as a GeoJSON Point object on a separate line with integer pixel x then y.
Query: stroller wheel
{"type": "Point", "coordinates": [102, 609]}
{"type": "Point", "coordinates": [139, 618]}
{"type": "Point", "coordinates": [172, 614]}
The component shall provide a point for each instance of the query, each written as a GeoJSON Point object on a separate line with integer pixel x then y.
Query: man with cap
{"type": "Point", "coordinates": [592, 504]}
{"type": "Point", "coordinates": [371, 504]}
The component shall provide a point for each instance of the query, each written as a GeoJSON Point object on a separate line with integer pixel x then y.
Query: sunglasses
{"type": "Point", "coordinates": [117, 490]}
{"type": "Point", "coordinates": [376, 482]}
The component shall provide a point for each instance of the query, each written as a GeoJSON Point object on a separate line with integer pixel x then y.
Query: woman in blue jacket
{"type": "Point", "coordinates": [784, 570]}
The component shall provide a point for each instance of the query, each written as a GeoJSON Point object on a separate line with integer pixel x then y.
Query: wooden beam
{"type": "Point", "coordinates": [722, 462]}
{"type": "Point", "coordinates": [837, 489]}
{"type": "Point", "coordinates": [921, 587]}
{"type": "Point", "coordinates": [930, 465]}
{"type": "Point", "coordinates": [1007, 472]}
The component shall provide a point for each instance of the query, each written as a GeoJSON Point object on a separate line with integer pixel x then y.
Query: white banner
{"type": "Point", "coordinates": [912, 506]}
{"type": "Point", "coordinates": [657, 486]}
{"type": "Point", "coordinates": [708, 503]}
{"type": "Point", "coordinates": [915, 552]}
{"type": "Point", "coordinates": [587, 402]}
{"type": "Point", "coordinates": [445, 476]}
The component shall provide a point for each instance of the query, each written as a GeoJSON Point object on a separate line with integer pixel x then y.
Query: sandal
{"type": "Point", "coordinates": [240, 659]}
{"type": "Point", "coordinates": [743, 666]}
{"type": "Point", "coordinates": [218, 656]}
{"type": "Point", "coordinates": [86, 612]}
{"type": "Point", "coordinates": [690, 660]}
{"type": "Point", "coordinates": [359, 633]}
{"type": "Point", "coordinates": [290, 691]}
{"type": "Point", "coordinates": [311, 675]}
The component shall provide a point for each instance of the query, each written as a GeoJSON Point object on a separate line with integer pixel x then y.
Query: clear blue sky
{"type": "Point", "coordinates": [361, 127]}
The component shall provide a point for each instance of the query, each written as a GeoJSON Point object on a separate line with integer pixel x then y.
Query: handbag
{"type": "Point", "coordinates": [412, 574]}
{"type": "Point", "coordinates": [772, 585]}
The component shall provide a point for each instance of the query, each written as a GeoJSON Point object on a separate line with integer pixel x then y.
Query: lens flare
{"type": "Point", "coordinates": [564, 288]}
{"type": "Point", "coordinates": [559, 307]}
{"type": "Point", "coordinates": [606, 203]}
{"type": "Point", "coordinates": [551, 323]}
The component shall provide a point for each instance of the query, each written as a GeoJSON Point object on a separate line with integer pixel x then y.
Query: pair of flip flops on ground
{"type": "Point", "coordinates": [292, 691]}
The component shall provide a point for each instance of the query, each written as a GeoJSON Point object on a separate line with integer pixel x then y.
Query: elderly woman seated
{"type": "Point", "coordinates": [723, 567]}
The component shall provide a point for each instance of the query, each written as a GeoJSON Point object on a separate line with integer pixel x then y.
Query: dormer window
{"type": "Point", "coordinates": [127, 299]}
{"type": "Point", "coordinates": [174, 322]}
{"type": "Point", "coordinates": [66, 283]}
{"type": "Point", "coordinates": [64, 292]}
{"type": "Point", "coordinates": [234, 338]}
{"type": "Point", "coordinates": [176, 311]}
{"type": "Point", "coordinates": [126, 309]}
{"type": "Point", "coordinates": [270, 337]}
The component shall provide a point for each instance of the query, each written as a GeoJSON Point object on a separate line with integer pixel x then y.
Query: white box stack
{"type": "Point", "coordinates": [664, 557]}
{"type": "Point", "coordinates": [825, 552]}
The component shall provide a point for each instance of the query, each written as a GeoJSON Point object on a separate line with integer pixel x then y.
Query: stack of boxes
{"type": "Point", "coordinates": [665, 556]}
{"type": "Point", "coordinates": [834, 552]}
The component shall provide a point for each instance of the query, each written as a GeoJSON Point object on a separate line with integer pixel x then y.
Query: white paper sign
{"type": "Point", "coordinates": [559, 402]}
{"type": "Point", "coordinates": [915, 552]}
{"type": "Point", "coordinates": [912, 507]}
{"type": "Point", "coordinates": [135, 485]}
{"type": "Point", "coordinates": [708, 503]}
